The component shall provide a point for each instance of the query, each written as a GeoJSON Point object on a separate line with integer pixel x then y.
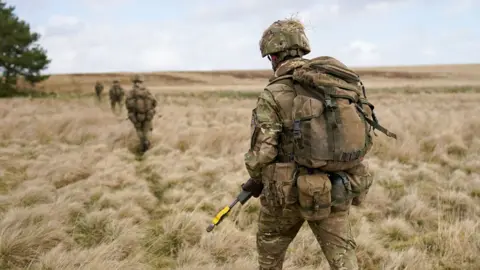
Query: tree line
{"type": "Point", "coordinates": [21, 57]}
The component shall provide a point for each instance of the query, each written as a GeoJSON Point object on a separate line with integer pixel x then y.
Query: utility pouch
{"type": "Point", "coordinates": [140, 117]}
{"type": "Point", "coordinates": [360, 181]}
{"type": "Point", "coordinates": [341, 192]}
{"type": "Point", "coordinates": [130, 104]}
{"type": "Point", "coordinates": [278, 182]}
{"type": "Point", "coordinates": [132, 117]}
{"type": "Point", "coordinates": [150, 114]}
{"type": "Point", "coordinates": [314, 196]}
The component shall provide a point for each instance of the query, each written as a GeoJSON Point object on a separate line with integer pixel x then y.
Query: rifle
{"type": "Point", "coordinates": [243, 197]}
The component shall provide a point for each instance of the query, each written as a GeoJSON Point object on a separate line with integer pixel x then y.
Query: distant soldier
{"type": "Point", "coordinates": [141, 104]}
{"type": "Point", "coordinates": [99, 90]}
{"type": "Point", "coordinates": [116, 95]}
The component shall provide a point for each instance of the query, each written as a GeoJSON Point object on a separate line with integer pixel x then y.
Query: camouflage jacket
{"type": "Point", "coordinates": [271, 123]}
{"type": "Point", "coordinates": [139, 91]}
{"type": "Point", "coordinates": [98, 87]}
{"type": "Point", "coordinates": [116, 92]}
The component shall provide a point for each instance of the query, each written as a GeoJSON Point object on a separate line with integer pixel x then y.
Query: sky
{"type": "Point", "coordinates": [160, 35]}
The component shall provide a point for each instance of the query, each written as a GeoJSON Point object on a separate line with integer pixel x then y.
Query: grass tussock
{"type": "Point", "coordinates": [74, 194]}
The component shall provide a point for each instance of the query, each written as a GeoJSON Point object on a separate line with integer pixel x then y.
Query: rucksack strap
{"type": "Point", "coordinates": [332, 118]}
{"type": "Point", "coordinates": [274, 80]}
{"type": "Point", "coordinates": [374, 123]}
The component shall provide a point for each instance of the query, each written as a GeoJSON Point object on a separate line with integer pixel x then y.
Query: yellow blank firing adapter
{"type": "Point", "coordinates": [243, 197]}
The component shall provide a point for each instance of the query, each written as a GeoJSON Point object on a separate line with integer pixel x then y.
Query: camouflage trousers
{"type": "Point", "coordinates": [114, 103]}
{"type": "Point", "coordinates": [277, 230]}
{"type": "Point", "coordinates": [144, 131]}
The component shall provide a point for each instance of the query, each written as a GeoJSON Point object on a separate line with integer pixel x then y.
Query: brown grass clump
{"type": "Point", "coordinates": [74, 195]}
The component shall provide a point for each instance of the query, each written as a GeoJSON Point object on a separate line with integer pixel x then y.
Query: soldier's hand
{"type": "Point", "coordinates": [253, 186]}
{"type": "Point", "coordinates": [357, 201]}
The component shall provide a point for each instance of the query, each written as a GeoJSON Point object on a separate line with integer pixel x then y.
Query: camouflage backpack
{"type": "Point", "coordinates": [116, 92]}
{"type": "Point", "coordinates": [140, 104]}
{"type": "Point", "coordinates": [332, 118]}
{"type": "Point", "coordinates": [98, 88]}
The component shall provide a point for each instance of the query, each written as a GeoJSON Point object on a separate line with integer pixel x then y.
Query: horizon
{"type": "Point", "coordinates": [87, 36]}
{"type": "Point", "coordinates": [259, 69]}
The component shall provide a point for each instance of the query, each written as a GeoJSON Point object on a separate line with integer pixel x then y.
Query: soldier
{"type": "Point", "coordinates": [304, 162]}
{"type": "Point", "coordinates": [116, 96]}
{"type": "Point", "coordinates": [99, 90]}
{"type": "Point", "coordinates": [141, 104]}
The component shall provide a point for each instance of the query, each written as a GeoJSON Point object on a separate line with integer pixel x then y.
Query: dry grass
{"type": "Point", "coordinates": [73, 194]}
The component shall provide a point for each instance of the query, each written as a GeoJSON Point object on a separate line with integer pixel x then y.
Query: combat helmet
{"type": "Point", "coordinates": [137, 78]}
{"type": "Point", "coordinates": [286, 36]}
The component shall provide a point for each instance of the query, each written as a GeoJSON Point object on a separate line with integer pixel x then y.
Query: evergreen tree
{"type": "Point", "coordinates": [20, 55]}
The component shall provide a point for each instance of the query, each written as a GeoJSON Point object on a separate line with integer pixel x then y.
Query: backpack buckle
{"type": "Point", "coordinates": [329, 104]}
{"type": "Point", "coordinates": [296, 129]}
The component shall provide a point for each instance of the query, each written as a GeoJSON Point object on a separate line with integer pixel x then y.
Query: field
{"type": "Point", "coordinates": [393, 78]}
{"type": "Point", "coordinates": [74, 194]}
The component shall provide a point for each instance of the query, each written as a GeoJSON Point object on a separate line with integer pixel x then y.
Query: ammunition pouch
{"type": "Point", "coordinates": [314, 195]}
{"type": "Point", "coordinates": [278, 185]}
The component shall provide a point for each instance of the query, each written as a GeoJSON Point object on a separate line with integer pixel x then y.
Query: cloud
{"type": "Point", "coordinates": [97, 48]}
{"type": "Point", "coordinates": [104, 5]}
{"type": "Point", "coordinates": [63, 26]}
{"type": "Point", "coordinates": [268, 10]}
{"type": "Point", "coordinates": [429, 52]}
{"type": "Point", "coordinates": [363, 47]}
{"type": "Point", "coordinates": [361, 52]}
{"type": "Point", "coordinates": [120, 35]}
{"type": "Point", "coordinates": [31, 3]}
{"type": "Point", "coordinates": [461, 6]}
{"type": "Point", "coordinates": [380, 6]}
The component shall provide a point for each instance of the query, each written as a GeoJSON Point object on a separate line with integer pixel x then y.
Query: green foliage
{"type": "Point", "coordinates": [20, 56]}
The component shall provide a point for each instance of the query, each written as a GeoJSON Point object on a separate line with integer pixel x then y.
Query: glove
{"type": "Point", "coordinates": [357, 201]}
{"type": "Point", "coordinates": [253, 186]}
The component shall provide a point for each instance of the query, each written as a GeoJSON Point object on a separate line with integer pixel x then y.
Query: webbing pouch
{"type": "Point", "coordinates": [314, 196]}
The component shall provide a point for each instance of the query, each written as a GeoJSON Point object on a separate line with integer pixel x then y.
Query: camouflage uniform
{"type": "Point", "coordinates": [285, 43]}
{"type": "Point", "coordinates": [116, 94]}
{"type": "Point", "coordinates": [141, 104]}
{"type": "Point", "coordinates": [98, 90]}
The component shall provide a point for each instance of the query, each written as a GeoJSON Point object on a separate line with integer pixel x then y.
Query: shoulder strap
{"type": "Point", "coordinates": [275, 80]}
